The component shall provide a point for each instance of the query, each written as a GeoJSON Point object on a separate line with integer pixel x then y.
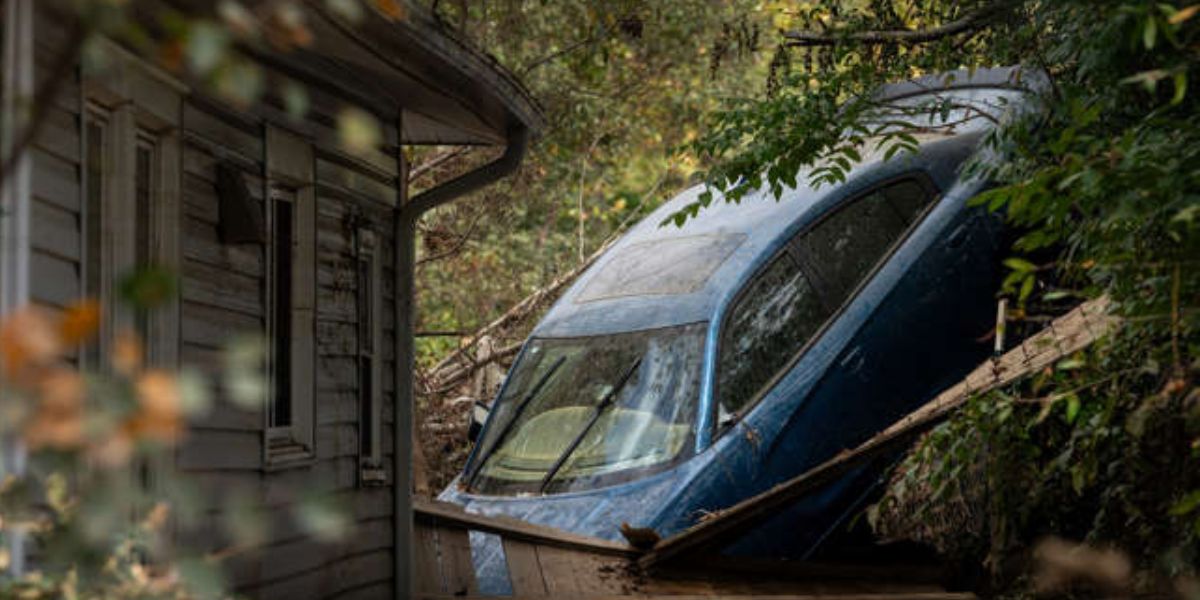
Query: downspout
{"type": "Point", "coordinates": [17, 89]}
{"type": "Point", "coordinates": [404, 236]}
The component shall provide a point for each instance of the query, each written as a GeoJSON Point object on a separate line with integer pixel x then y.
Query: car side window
{"type": "Point", "coordinates": [781, 308]}
{"type": "Point", "coordinates": [842, 248]}
{"type": "Point", "coordinates": [773, 318]}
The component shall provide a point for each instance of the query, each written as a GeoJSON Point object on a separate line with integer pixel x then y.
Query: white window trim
{"type": "Point", "coordinates": [290, 165]}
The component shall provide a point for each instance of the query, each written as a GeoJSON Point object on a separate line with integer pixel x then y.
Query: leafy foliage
{"type": "Point", "coordinates": [95, 508]}
{"type": "Point", "coordinates": [623, 84]}
{"type": "Point", "coordinates": [1100, 186]}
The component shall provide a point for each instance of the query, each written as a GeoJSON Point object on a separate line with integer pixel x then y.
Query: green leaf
{"type": "Point", "coordinates": [1181, 84]}
{"type": "Point", "coordinates": [1187, 504]}
{"type": "Point", "coordinates": [1020, 265]}
{"type": "Point", "coordinates": [323, 518]}
{"type": "Point", "coordinates": [1073, 406]}
{"type": "Point", "coordinates": [1150, 32]}
{"type": "Point", "coordinates": [205, 48]}
{"type": "Point", "coordinates": [1026, 288]}
{"type": "Point", "coordinates": [149, 287]}
{"type": "Point", "coordinates": [1070, 364]}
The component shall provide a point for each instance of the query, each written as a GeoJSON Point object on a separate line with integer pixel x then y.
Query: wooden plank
{"type": "Point", "coordinates": [59, 135]}
{"type": "Point", "coordinates": [426, 572]}
{"type": "Point", "coordinates": [524, 570]}
{"type": "Point", "coordinates": [234, 450]}
{"type": "Point", "coordinates": [222, 133]}
{"type": "Point", "coordinates": [868, 596]}
{"type": "Point", "coordinates": [55, 230]}
{"type": "Point", "coordinates": [751, 511]}
{"type": "Point", "coordinates": [372, 591]}
{"type": "Point", "coordinates": [559, 572]}
{"type": "Point", "coordinates": [53, 280]}
{"type": "Point", "coordinates": [55, 180]}
{"type": "Point", "coordinates": [216, 287]}
{"type": "Point", "coordinates": [574, 573]}
{"type": "Point", "coordinates": [337, 441]}
{"type": "Point", "coordinates": [432, 511]}
{"type": "Point", "coordinates": [201, 244]}
{"type": "Point", "coordinates": [458, 571]}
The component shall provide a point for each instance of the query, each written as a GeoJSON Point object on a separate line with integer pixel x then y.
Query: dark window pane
{"type": "Point", "coordinates": [842, 248]}
{"type": "Point", "coordinates": [93, 169]}
{"type": "Point", "coordinates": [94, 172]}
{"type": "Point", "coordinates": [365, 291]}
{"type": "Point", "coordinates": [142, 190]}
{"type": "Point", "coordinates": [769, 324]}
{"type": "Point", "coordinates": [281, 408]}
{"type": "Point", "coordinates": [909, 198]}
{"type": "Point", "coordinates": [366, 432]}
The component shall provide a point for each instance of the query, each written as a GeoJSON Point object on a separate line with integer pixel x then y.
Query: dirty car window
{"type": "Point", "coordinates": [649, 426]}
{"type": "Point", "coordinates": [679, 265]}
{"type": "Point", "coordinates": [770, 322]}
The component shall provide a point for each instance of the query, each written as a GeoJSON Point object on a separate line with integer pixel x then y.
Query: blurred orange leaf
{"type": "Point", "coordinates": [80, 323]}
{"type": "Point", "coordinates": [58, 422]}
{"type": "Point", "coordinates": [127, 353]}
{"type": "Point", "coordinates": [27, 339]}
{"type": "Point", "coordinates": [161, 415]}
{"type": "Point", "coordinates": [391, 9]}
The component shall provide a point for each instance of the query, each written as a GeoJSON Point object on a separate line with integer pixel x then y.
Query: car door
{"type": "Point", "coordinates": [838, 256]}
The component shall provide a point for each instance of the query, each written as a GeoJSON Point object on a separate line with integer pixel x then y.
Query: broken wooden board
{"type": "Point", "coordinates": [1065, 335]}
{"type": "Point", "coordinates": [879, 596]}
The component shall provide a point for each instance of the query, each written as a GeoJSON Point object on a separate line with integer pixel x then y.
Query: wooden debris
{"type": "Point", "coordinates": [1065, 335]}
{"type": "Point", "coordinates": [642, 538]}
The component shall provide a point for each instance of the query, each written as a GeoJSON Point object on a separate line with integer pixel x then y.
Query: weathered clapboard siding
{"type": "Point", "coordinates": [55, 179]}
{"type": "Point", "coordinates": [57, 253]}
{"type": "Point", "coordinates": [223, 295]}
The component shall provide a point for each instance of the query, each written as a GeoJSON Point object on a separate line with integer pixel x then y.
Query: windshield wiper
{"type": "Point", "coordinates": [533, 392]}
{"type": "Point", "coordinates": [606, 402]}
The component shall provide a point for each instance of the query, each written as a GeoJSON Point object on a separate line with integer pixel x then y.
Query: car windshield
{"type": "Point", "coordinates": [559, 388]}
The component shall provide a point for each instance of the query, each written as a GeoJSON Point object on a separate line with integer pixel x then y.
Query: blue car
{"type": "Point", "coordinates": [694, 366]}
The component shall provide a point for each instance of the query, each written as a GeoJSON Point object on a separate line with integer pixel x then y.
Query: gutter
{"type": "Point", "coordinates": [404, 235]}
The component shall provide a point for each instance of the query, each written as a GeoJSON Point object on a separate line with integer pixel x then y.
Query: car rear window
{"type": "Point", "coordinates": [679, 265]}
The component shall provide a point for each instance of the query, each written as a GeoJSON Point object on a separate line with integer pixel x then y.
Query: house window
{"type": "Point", "coordinates": [145, 188]}
{"type": "Point", "coordinates": [290, 291]}
{"type": "Point", "coordinates": [369, 307]}
{"type": "Point", "coordinates": [283, 227]}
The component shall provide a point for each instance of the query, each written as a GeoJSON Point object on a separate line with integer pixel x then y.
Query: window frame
{"type": "Point", "coordinates": [791, 249]}
{"type": "Point", "coordinates": [134, 103]}
{"type": "Point", "coordinates": [291, 172]}
{"type": "Point", "coordinates": [369, 342]}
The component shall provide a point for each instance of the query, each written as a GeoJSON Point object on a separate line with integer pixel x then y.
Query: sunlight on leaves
{"type": "Point", "coordinates": [358, 130]}
{"type": "Point", "coordinates": [322, 518]}
{"type": "Point", "coordinates": [245, 377]}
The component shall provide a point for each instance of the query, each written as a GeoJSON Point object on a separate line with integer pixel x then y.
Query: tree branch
{"type": "Point", "coordinates": [459, 244]}
{"type": "Point", "coordinates": [43, 96]}
{"type": "Point", "coordinates": [971, 21]}
{"type": "Point", "coordinates": [588, 41]}
{"type": "Point", "coordinates": [438, 160]}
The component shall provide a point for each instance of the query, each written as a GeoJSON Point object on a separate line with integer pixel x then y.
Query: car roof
{"type": "Point", "coordinates": [645, 280]}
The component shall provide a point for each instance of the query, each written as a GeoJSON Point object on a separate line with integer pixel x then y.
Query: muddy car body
{"type": "Point", "coordinates": [694, 366]}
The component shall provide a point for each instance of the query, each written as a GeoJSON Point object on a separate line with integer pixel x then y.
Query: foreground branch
{"type": "Point", "coordinates": [969, 22]}
{"type": "Point", "coordinates": [44, 95]}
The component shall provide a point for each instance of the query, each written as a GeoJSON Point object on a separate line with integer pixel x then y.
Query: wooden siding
{"type": "Point", "coordinates": [56, 256]}
{"type": "Point", "coordinates": [223, 295]}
